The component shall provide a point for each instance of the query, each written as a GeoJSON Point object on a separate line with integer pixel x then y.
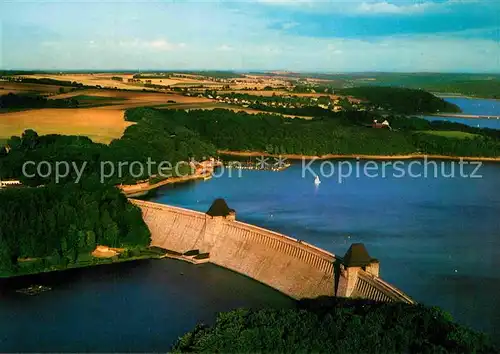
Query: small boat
{"type": "Point", "coordinates": [33, 290]}
{"type": "Point", "coordinates": [317, 181]}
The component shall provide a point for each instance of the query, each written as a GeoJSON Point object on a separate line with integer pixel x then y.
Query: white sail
{"type": "Point", "coordinates": [316, 180]}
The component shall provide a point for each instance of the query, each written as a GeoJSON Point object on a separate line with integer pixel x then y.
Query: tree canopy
{"type": "Point", "coordinates": [335, 325]}
{"type": "Point", "coordinates": [401, 100]}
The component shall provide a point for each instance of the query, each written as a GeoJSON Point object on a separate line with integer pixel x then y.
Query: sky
{"type": "Point", "coordinates": [292, 35]}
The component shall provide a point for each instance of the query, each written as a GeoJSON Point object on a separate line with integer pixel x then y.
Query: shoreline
{"type": "Point", "coordinates": [80, 266]}
{"type": "Point", "coordinates": [462, 116]}
{"type": "Point", "coordinates": [458, 95]}
{"type": "Point", "coordinates": [358, 156]}
{"type": "Point", "coordinates": [132, 191]}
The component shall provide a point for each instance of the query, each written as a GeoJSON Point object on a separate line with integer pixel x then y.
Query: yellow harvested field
{"type": "Point", "coordinates": [104, 122]}
{"type": "Point", "coordinates": [105, 80]}
{"type": "Point", "coordinates": [90, 79]}
{"type": "Point", "coordinates": [134, 98]}
{"type": "Point", "coordinates": [98, 124]}
{"type": "Point", "coordinates": [182, 80]}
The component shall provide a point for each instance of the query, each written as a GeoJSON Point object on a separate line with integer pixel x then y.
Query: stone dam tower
{"type": "Point", "coordinates": [293, 267]}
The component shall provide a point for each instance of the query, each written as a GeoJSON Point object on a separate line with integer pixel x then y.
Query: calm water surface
{"type": "Point", "coordinates": [130, 307]}
{"type": "Point", "coordinates": [438, 239]}
{"type": "Point", "coordinates": [474, 106]}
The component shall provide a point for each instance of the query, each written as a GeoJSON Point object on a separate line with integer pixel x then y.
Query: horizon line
{"type": "Point", "coordinates": [248, 71]}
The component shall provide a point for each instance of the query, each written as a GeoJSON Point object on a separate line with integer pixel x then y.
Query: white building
{"type": "Point", "coordinates": [9, 183]}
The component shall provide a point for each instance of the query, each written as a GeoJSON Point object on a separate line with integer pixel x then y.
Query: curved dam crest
{"type": "Point", "coordinates": [293, 267]}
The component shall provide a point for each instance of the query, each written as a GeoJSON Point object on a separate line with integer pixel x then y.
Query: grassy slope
{"type": "Point", "coordinates": [33, 265]}
{"type": "Point", "coordinates": [451, 134]}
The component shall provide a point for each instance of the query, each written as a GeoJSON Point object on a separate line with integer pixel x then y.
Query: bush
{"type": "Point", "coordinates": [135, 252]}
{"type": "Point", "coordinates": [125, 254]}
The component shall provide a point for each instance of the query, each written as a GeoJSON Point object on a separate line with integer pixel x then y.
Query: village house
{"type": "Point", "coordinates": [384, 125]}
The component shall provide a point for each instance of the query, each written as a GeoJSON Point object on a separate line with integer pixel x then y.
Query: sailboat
{"type": "Point", "coordinates": [317, 181]}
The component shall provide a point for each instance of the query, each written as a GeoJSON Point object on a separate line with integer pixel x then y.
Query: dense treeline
{"type": "Point", "coordinates": [340, 133]}
{"type": "Point", "coordinates": [34, 101]}
{"type": "Point", "coordinates": [308, 111]}
{"type": "Point", "coordinates": [154, 139]}
{"type": "Point", "coordinates": [48, 81]}
{"type": "Point", "coordinates": [158, 138]}
{"type": "Point", "coordinates": [487, 88]}
{"type": "Point", "coordinates": [401, 100]}
{"type": "Point", "coordinates": [478, 85]}
{"type": "Point", "coordinates": [52, 148]}
{"type": "Point", "coordinates": [335, 325]}
{"type": "Point", "coordinates": [58, 222]}
{"type": "Point", "coordinates": [226, 129]}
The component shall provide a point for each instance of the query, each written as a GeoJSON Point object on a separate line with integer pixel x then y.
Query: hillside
{"type": "Point", "coordinates": [401, 100]}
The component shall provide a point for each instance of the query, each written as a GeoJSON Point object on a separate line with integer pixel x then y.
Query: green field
{"type": "Point", "coordinates": [88, 101]}
{"type": "Point", "coordinates": [450, 134]}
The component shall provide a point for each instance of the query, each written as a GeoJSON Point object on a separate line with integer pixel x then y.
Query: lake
{"type": "Point", "coordinates": [474, 106]}
{"type": "Point", "coordinates": [437, 239]}
{"type": "Point", "coordinates": [129, 307]}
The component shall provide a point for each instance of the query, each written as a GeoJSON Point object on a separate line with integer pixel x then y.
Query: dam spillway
{"type": "Point", "coordinates": [293, 267]}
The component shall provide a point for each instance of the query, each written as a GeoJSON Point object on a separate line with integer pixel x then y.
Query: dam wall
{"type": "Point", "coordinates": [373, 288]}
{"type": "Point", "coordinates": [293, 267]}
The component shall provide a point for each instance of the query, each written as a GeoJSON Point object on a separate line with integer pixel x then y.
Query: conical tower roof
{"type": "Point", "coordinates": [357, 256]}
{"type": "Point", "coordinates": [219, 208]}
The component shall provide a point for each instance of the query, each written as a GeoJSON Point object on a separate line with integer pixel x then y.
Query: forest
{"type": "Point", "coordinates": [401, 100]}
{"type": "Point", "coordinates": [338, 133]}
{"type": "Point", "coordinates": [477, 85]}
{"type": "Point", "coordinates": [57, 223]}
{"type": "Point", "coordinates": [335, 325]}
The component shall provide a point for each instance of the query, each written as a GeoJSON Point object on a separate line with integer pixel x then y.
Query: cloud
{"type": "Point", "coordinates": [225, 48]}
{"type": "Point", "coordinates": [385, 7]}
{"type": "Point", "coordinates": [160, 44]}
{"type": "Point", "coordinates": [371, 7]}
{"type": "Point", "coordinates": [157, 44]}
{"type": "Point", "coordinates": [289, 25]}
{"type": "Point", "coordinates": [325, 35]}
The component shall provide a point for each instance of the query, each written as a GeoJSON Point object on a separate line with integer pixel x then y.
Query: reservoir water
{"type": "Point", "coordinates": [130, 307]}
{"type": "Point", "coordinates": [474, 106]}
{"type": "Point", "coordinates": [437, 239]}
